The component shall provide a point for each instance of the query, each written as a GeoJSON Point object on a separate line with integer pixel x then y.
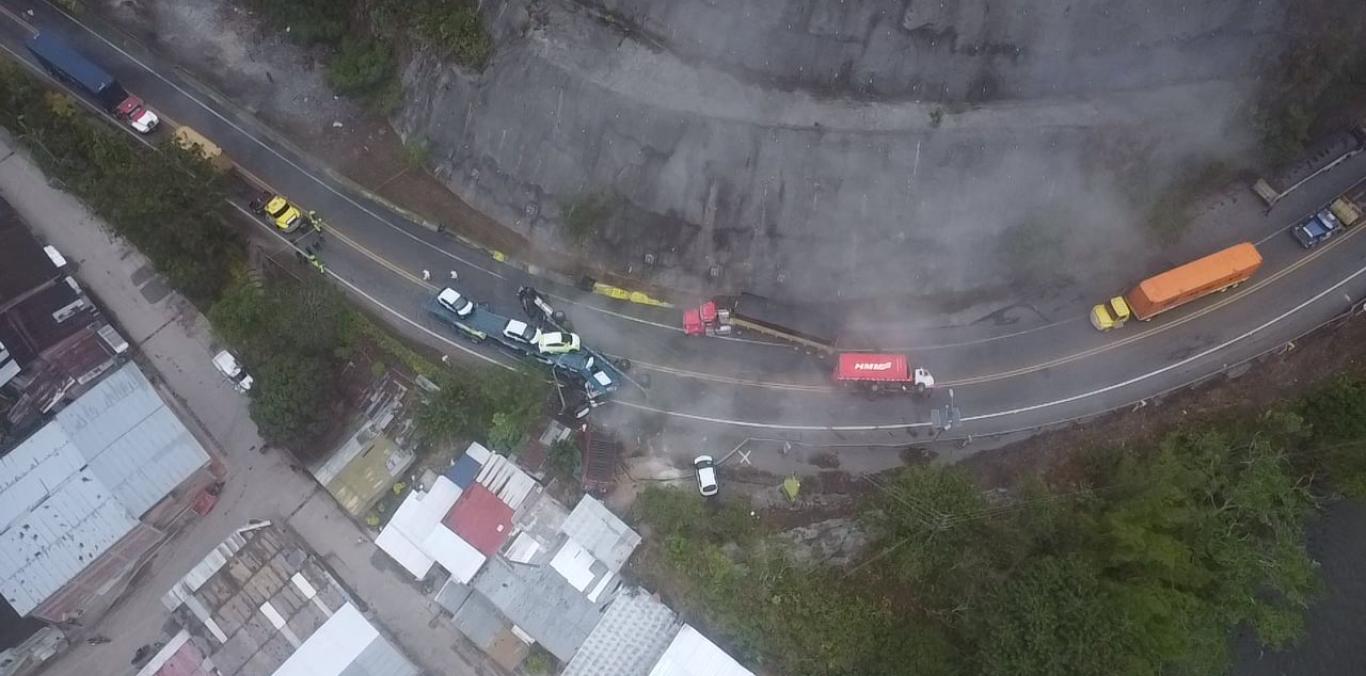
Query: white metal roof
{"type": "Point", "coordinates": [77, 485]}
{"type": "Point", "coordinates": [598, 530]}
{"type": "Point", "coordinates": [346, 645]}
{"type": "Point", "coordinates": [574, 564]}
{"type": "Point", "coordinates": [692, 654]}
{"type": "Point", "coordinates": [404, 552]}
{"type": "Point", "coordinates": [420, 514]}
{"type": "Point", "coordinates": [458, 557]}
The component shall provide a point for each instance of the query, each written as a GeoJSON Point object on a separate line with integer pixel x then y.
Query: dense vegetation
{"type": "Point", "coordinates": [1144, 565]}
{"type": "Point", "coordinates": [491, 404]}
{"type": "Point", "coordinates": [1323, 68]}
{"type": "Point", "coordinates": [170, 209]}
{"type": "Point", "coordinates": [295, 337]}
{"type": "Point", "coordinates": [362, 37]}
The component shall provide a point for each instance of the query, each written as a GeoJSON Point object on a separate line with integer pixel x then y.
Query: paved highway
{"type": "Point", "coordinates": [1004, 378]}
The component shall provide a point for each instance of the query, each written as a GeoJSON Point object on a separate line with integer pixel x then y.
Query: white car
{"type": "Point", "coordinates": [521, 331]}
{"type": "Point", "coordinates": [558, 342]}
{"type": "Point", "coordinates": [233, 371]}
{"type": "Point", "coordinates": [453, 301]}
{"type": "Point", "coordinates": [706, 475]}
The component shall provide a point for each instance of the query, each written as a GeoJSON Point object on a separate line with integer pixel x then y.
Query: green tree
{"type": "Point", "coordinates": [513, 400]}
{"type": "Point", "coordinates": [454, 412]}
{"type": "Point", "coordinates": [290, 400]}
{"type": "Point", "coordinates": [361, 67]}
{"type": "Point", "coordinates": [564, 458]}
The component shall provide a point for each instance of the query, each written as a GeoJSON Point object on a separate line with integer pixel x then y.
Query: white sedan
{"type": "Point", "coordinates": [706, 475]}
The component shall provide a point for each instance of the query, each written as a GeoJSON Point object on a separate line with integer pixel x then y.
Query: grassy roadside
{"type": "Point", "coordinates": [301, 340]}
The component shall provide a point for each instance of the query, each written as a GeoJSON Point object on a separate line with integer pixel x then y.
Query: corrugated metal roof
{"type": "Point", "coordinates": [633, 634]}
{"type": "Point", "coordinates": [479, 621]}
{"type": "Point", "coordinates": [48, 545]}
{"type": "Point", "coordinates": [32, 470]}
{"type": "Point", "coordinates": [506, 480]}
{"type": "Point", "coordinates": [541, 602]}
{"type": "Point", "coordinates": [133, 442]}
{"type": "Point", "coordinates": [598, 530]}
{"type": "Point", "coordinates": [692, 654]}
{"type": "Point", "coordinates": [76, 485]}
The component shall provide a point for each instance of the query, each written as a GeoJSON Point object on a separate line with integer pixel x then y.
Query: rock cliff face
{"type": "Point", "coordinates": [821, 148]}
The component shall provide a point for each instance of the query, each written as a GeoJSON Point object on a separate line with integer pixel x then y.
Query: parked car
{"type": "Point", "coordinates": [455, 302]}
{"type": "Point", "coordinates": [706, 475]}
{"type": "Point", "coordinates": [519, 330]}
{"type": "Point", "coordinates": [558, 342]}
{"type": "Point", "coordinates": [1316, 228]}
{"type": "Point", "coordinates": [233, 371]}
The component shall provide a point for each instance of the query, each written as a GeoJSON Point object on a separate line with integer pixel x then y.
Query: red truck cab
{"type": "Point", "coordinates": [133, 111]}
{"type": "Point", "coordinates": [701, 320]}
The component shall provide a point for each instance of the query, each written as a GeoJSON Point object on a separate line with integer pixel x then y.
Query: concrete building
{"type": "Point", "coordinates": [262, 604]}
{"type": "Point", "coordinates": [88, 496]}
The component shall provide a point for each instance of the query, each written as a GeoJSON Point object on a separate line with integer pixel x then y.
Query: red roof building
{"type": "Point", "coordinates": [480, 519]}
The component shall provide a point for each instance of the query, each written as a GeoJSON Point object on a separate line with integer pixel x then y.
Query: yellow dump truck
{"type": "Point", "coordinates": [190, 139]}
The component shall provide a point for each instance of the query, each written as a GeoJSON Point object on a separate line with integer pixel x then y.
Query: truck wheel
{"type": "Point", "coordinates": [624, 365]}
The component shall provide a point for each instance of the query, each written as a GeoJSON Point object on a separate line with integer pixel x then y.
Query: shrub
{"type": "Point", "coordinates": [361, 67]}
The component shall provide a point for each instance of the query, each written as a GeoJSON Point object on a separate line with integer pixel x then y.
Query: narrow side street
{"type": "Point", "coordinates": [175, 339]}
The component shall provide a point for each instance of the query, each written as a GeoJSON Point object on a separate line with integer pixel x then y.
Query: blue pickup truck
{"type": "Point", "coordinates": [1316, 228]}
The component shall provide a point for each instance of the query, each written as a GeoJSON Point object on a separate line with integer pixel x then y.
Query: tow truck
{"type": "Point", "coordinates": [593, 374]}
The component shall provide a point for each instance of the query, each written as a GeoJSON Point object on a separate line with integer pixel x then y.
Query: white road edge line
{"type": "Point", "coordinates": [1015, 411]}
